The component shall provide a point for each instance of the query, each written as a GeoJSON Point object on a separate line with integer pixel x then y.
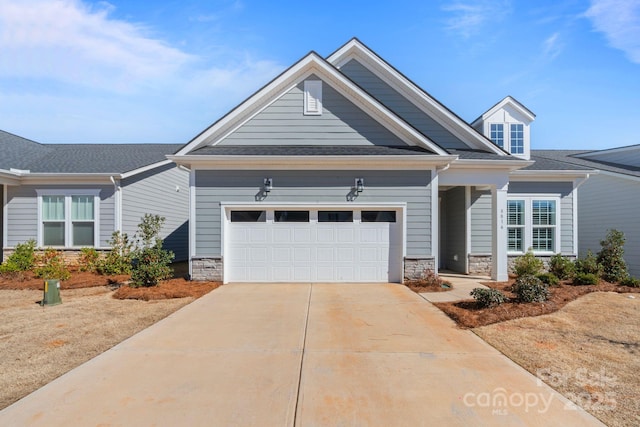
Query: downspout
{"type": "Point", "coordinates": [576, 185]}
{"type": "Point", "coordinates": [117, 191]}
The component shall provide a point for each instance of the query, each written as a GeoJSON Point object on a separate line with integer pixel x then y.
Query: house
{"type": "Point", "coordinates": [608, 200]}
{"type": "Point", "coordinates": [69, 196]}
{"type": "Point", "coordinates": [341, 169]}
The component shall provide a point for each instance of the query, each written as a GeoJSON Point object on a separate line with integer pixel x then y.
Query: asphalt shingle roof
{"type": "Point", "coordinates": [568, 159]}
{"type": "Point", "coordinates": [309, 150]}
{"type": "Point", "coordinates": [21, 153]}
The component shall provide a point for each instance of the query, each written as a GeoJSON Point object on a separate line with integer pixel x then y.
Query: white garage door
{"type": "Point", "coordinates": [313, 245]}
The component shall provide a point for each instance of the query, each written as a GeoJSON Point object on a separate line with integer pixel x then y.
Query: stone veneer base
{"type": "Point", "coordinates": [210, 269]}
{"type": "Point", "coordinates": [416, 268]}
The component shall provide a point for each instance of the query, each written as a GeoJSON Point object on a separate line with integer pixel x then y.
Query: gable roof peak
{"type": "Point", "coordinates": [507, 100]}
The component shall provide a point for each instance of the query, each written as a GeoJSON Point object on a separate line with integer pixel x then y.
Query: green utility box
{"type": "Point", "coordinates": [51, 292]}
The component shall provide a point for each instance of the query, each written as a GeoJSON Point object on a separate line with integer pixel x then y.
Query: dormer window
{"type": "Point", "coordinates": [497, 134]}
{"type": "Point", "coordinates": [517, 138]}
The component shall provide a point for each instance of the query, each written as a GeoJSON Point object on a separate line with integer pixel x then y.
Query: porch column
{"type": "Point", "coordinates": [499, 270]}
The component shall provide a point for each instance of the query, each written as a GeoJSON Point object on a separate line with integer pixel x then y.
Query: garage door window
{"type": "Point", "coordinates": [248, 216]}
{"type": "Point", "coordinates": [335, 216]}
{"type": "Point", "coordinates": [291, 216]}
{"type": "Point", "coordinates": [378, 216]}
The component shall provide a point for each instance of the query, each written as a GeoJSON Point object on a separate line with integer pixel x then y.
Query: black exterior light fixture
{"type": "Point", "coordinates": [359, 185]}
{"type": "Point", "coordinates": [268, 185]}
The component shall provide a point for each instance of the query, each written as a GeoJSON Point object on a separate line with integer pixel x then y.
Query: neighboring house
{"type": "Point", "coordinates": [343, 170]}
{"type": "Point", "coordinates": [608, 200]}
{"type": "Point", "coordinates": [69, 196]}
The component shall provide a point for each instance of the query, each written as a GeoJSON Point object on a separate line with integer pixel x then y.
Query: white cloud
{"type": "Point", "coordinates": [552, 46]}
{"type": "Point", "coordinates": [470, 17]}
{"type": "Point", "coordinates": [69, 42]}
{"type": "Point", "coordinates": [619, 21]}
{"type": "Point", "coordinates": [72, 69]}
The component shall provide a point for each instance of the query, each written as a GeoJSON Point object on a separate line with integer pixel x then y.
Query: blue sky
{"type": "Point", "coordinates": [162, 71]}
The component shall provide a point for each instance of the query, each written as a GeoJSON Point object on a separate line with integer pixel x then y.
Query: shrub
{"type": "Point", "coordinates": [631, 282]}
{"type": "Point", "coordinates": [549, 278]}
{"type": "Point", "coordinates": [89, 259]}
{"type": "Point", "coordinates": [561, 267]}
{"type": "Point", "coordinates": [527, 264]}
{"type": "Point", "coordinates": [429, 279]}
{"type": "Point", "coordinates": [586, 279]}
{"type": "Point", "coordinates": [22, 259]}
{"type": "Point", "coordinates": [151, 261]}
{"type": "Point", "coordinates": [52, 266]}
{"type": "Point", "coordinates": [529, 288]}
{"type": "Point", "coordinates": [611, 257]}
{"type": "Point", "coordinates": [587, 265]}
{"type": "Point", "coordinates": [488, 297]}
{"type": "Point", "coordinates": [118, 259]}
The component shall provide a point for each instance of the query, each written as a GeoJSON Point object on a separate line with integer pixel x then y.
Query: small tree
{"type": "Point", "coordinates": [610, 257]}
{"type": "Point", "coordinates": [527, 265]}
{"type": "Point", "coordinates": [22, 259]}
{"type": "Point", "coordinates": [150, 260]}
{"type": "Point", "coordinates": [118, 260]}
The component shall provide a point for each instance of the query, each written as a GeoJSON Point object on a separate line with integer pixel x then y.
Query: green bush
{"type": "Point", "coordinates": [488, 297]}
{"type": "Point", "coordinates": [529, 288]}
{"type": "Point", "coordinates": [527, 264]}
{"type": "Point", "coordinates": [118, 259]}
{"type": "Point", "coordinates": [584, 279]}
{"type": "Point", "coordinates": [150, 260]}
{"type": "Point", "coordinates": [52, 266]}
{"type": "Point", "coordinates": [587, 265]}
{"type": "Point", "coordinates": [549, 278]}
{"type": "Point", "coordinates": [22, 258]}
{"type": "Point", "coordinates": [631, 282]}
{"type": "Point", "coordinates": [88, 260]}
{"type": "Point", "coordinates": [611, 257]}
{"type": "Point", "coordinates": [561, 267]}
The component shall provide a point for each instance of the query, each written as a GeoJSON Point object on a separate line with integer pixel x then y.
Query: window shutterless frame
{"type": "Point", "coordinates": [538, 226]}
{"type": "Point", "coordinates": [71, 219]}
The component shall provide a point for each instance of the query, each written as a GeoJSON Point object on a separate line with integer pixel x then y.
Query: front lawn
{"type": "Point", "coordinates": [589, 351]}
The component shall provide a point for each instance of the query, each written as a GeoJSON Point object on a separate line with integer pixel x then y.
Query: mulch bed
{"type": "Point", "coordinates": [419, 286]}
{"type": "Point", "coordinates": [79, 279]}
{"type": "Point", "coordinates": [468, 314]}
{"type": "Point", "coordinates": [167, 289]}
{"type": "Point", "coordinates": [174, 288]}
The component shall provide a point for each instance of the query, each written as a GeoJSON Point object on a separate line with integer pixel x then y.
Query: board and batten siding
{"type": "Point", "coordinates": [610, 202]}
{"type": "Point", "coordinates": [22, 211]}
{"type": "Point", "coordinates": [312, 188]}
{"type": "Point", "coordinates": [160, 191]}
{"type": "Point", "coordinates": [565, 190]}
{"type": "Point", "coordinates": [400, 105]}
{"type": "Point", "coordinates": [283, 123]}
{"type": "Point", "coordinates": [455, 257]}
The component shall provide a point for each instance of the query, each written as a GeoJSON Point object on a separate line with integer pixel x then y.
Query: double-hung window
{"type": "Point", "coordinates": [497, 134]}
{"type": "Point", "coordinates": [68, 218]}
{"type": "Point", "coordinates": [532, 222]}
{"type": "Point", "coordinates": [516, 138]}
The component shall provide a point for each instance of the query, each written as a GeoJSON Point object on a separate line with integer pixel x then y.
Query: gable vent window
{"type": "Point", "coordinates": [313, 97]}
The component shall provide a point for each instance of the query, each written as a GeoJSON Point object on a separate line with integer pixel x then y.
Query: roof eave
{"type": "Point", "coordinates": [312, 162]}
{"type": "Point", "coordinates": [511, 165]}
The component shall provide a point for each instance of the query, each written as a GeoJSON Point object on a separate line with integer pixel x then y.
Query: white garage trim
{"type": "Point", "coordinates": [374, 251]}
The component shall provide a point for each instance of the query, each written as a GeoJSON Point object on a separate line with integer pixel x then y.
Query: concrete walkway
{"type": "Point", "coordinates": [462, 286]}
{"type": "Point", "coordinates": [299, 354]}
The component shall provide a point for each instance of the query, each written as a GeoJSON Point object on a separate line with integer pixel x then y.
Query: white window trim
{"type": "Point", "coordinates": [67, 193]}
{"type": "Point", "coordinates": [313, 92]}
{"type": "Point", "coordinates": [528, 223]}
{"type": "Point", "coordinates": [504, 136]}
{"type": "Point", "coordinates": [510, 150]}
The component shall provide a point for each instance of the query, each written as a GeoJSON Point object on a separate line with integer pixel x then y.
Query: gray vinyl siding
{"type": "Point", "coordinates": [313, 187]}
{"type": "Point", "coordinates": [154, 192]}
{"type": "Point", "coordinates": [283, 123]}
{"type": "Point", "coordinates": [400, 105]}
{"type": "Point", "coordinates": [1, 220]}
{"type": "Point", "coordinates": [455, 230]}
{"type": "Point", "coordinates": [608, 202]}
{"type": "Point", "coordinates": [564, 189]}
{"type": "Point", "coordinates": [22, 215]}
{"type": "Point", "coordinates": [481, 226]}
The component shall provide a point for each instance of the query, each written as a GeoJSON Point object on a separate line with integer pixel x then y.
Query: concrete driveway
{"type": "Point", "coordinates": [300, 354]}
